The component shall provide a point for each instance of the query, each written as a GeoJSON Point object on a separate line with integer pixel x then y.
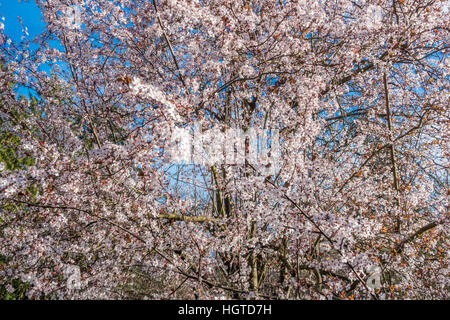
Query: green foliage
{"type": "Point", "coordinates": [13, 159]}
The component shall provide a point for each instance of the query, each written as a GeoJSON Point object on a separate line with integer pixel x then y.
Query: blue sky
{"type": "Point", "coordinates": [28, 11]}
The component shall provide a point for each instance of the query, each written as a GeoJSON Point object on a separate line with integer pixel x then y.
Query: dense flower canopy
{"type": "Point", "coordinates": [358, 91]}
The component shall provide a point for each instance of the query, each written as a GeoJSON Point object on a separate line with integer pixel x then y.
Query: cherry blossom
{"type": "Point", "coordinates": [354, 205]}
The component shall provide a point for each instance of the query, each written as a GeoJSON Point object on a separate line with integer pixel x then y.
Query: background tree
{"type": "Point", "coordinates": [357, 90]}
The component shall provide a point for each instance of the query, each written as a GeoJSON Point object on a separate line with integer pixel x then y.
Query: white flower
{"type": "Point", "coordinates": [28, 147]}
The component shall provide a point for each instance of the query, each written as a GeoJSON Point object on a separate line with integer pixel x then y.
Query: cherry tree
{"type": "Point", "coordinates": [356, 207]}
